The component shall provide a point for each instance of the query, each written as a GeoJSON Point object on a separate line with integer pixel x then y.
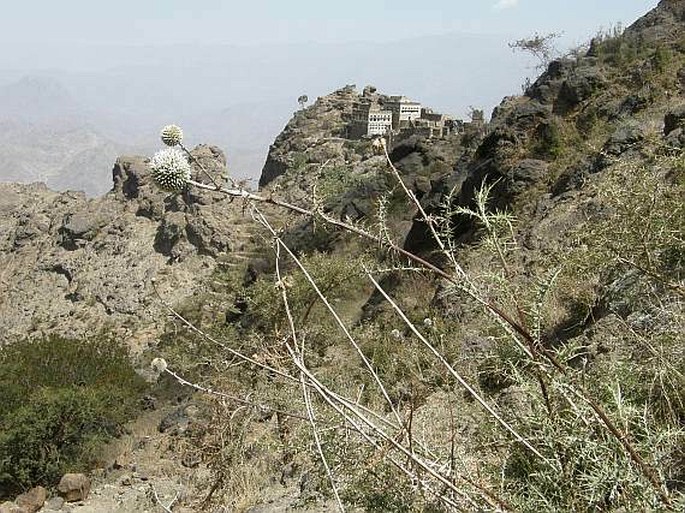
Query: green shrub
{"type": "Point", "coordinates": [661, 59]}
{"type": "Point", "coordinates": [61, 399]}
{"type": "Point", "coordinates": [337, 277]}
{"type": "Point", "coordinates": [550, 140]}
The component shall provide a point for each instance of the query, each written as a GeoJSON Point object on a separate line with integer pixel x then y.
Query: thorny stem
{"type": "Point", "coordinates": [299, 361]}
{"type": "Point", "coordinates": [209, 391]}
{"type": "Point", "coordinates": [223, 346]}
{"type": "Point", "coordinates": [246, 195]}
{"type": "Point", "coordinates": [493, 308]}
{"type": "Point", "coordinates": [457, 376]}
{"type": "Point", "coordinates": [338, 407]}
{"type": "Point", "coordinates": [335, 315]}
{"type": "Point", "coordinates": [251, 361]}
{"type": "Point", "coordinates": [203, 168]}
{"type": "Point", "coordinates": [167, 509]}
{"type": "Point", "coordinates": [305, 390]}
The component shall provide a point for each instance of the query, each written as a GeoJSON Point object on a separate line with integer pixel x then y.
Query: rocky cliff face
{"type": "Point", "coordinates": [580, 116]}
{"type": "Point", "coordinates": [314, 163]}
{"type": "Point", "coordinates": [546, 153]}
{"type": "Point", "coordinates": [73, 265]}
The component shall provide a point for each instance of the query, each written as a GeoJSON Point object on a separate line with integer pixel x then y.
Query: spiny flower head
{"type": "Point", "coordinates": [159, 365]}
{"type": "Point", "coordinates": [379, 144]}
{"type": "Point", "coordinates": [172, 135]}
{"type": "Point", "coordinates": [170, 170]}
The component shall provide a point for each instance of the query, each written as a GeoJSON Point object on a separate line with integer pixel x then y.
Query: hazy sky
{"type": "Point", "coordinates": [30, 25]}
{"type": "Point", "coordinates": [230, 71]}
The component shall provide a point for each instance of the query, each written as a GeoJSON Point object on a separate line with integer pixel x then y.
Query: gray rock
{"type": "Point", "coordinates": [572, 178]}
{"type": "Point", "coordinates": [674, 119]}
{"type": "Point", "coordinates": [54, 503]}
{"type": "Point", "coordinates": [169, 233]}
{"type": "Point", "coordinates": [525, 173]}
{"type": "Point", "coordinates": [179, 420]}
{"type": "Point", "coordinates": [581, 84]}
{"type": "Point", "coordinates": [130, 174]}
{"type": "Point", "coordinates": [626, 138]}
{"type": "Point", "coordinates": [681, 79]}
{"type": "Point", "coordinates": [32, 500]}
{"type": "Point", "coordinates": [74, 487]}
{"type": "Point", "coordinates": [213, 160]}
{"type": "Point", "coordinates": [676, 138]}
{"type": "Point", "coordinates": [97, 256]}
{"type": "Point", "coordinates": [76, 229]}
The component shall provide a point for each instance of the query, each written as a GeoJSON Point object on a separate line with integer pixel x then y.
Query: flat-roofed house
{"type": "Point", "coordinates": [403, 109]}
{"type": "Point", "coordinates": [369, 118]}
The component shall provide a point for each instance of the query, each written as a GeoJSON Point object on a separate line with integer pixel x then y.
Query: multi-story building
{"type": "Point", "coordinates": [380, 122]}
{"type": "Point", "coordinates": [438, 124]}
{"type": "Point", "coordinates": [369, 118]}
{"type": "Point", "coordinates": [403, 109]}
{"type": "Point", "coordinates": [389, 116]}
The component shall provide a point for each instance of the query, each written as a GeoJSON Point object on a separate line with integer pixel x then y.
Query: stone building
{"type": "Point", "coordinates": [437, 124]}
{"type": "Point", "coordinates": [370, 119]}
{"type": "Point", "coordinates": [403, 110]}
{"type": "Point", "coordinates": [376, 114]}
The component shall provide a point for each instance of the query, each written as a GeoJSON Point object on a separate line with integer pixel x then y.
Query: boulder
{"type": "Point", "coordinates": [169, 233]}
{"type": "Point", "coordinates": [54, 503]}
{"type": "Point", "coordinates": [129, 174]}
{"type": "Point", "coordinates": [524, 174]}
{"type": "Point", "coordinates": [76, 229]}
{"type": "Point", "coordinates": [582, 84]}
{"type": "Point", "coordinates": [625, 139]}
{"type": "Point", "coordinates": [74, 487]}
{"type": "Point", "coordinates": [681, 79]}
{"type": "Point", "coordinates": [572, 178]}
{"type": "Point", "coordinates": [32, 500]}
{"type": "Point", "coordinates": [676, 138]}
{"type": "Point", "coordinates": [674, 119]}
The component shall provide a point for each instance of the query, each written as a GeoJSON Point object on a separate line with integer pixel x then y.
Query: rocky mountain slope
{"type": "Point", "coordinates": [587, 264]}
{"type": "Point", "coordinates": [74, 265]}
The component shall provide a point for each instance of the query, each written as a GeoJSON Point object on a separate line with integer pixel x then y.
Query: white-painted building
{"type": "Point", "coordinates": [379, 122]}
{"type": "Point", "coordinates": [404, 109]}
{"type": "Point", "coordinates": [371, 119]}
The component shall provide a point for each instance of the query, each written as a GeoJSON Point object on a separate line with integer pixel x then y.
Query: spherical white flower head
{"type": "Point", "coordinates": [172, 135]}
{"type": "Point", "coordinates": [379, 145]}
{"type": "Point", "coordinates": [428, 322]}
{"type": "Point", "coordinates": [159, 365]}
{"type": "Point", "coordinates": [396, 334]}
{"type": "Point", "coordinates": [170, 170]}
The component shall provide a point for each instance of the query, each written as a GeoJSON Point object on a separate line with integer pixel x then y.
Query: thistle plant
{"type": "Point", "coordinates": [581, 440]}
{"type": "Point", "coordinates": [159, 365]}
{"type": "Point", "coordinates": [171, 135]}
{"type": "Point", "coordinates": [170, 170]}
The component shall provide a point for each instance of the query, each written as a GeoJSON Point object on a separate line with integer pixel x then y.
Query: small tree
{"type": "Point", "coordinates": [540, 46]}
{"type": "Point", "coordinates": [302, 100]}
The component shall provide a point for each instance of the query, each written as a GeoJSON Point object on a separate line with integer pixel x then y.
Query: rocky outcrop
{"type": "Point", "coordinates": [73, 265]}
{"type": "Point", "coordinates": [314, 162]}
{"type": "Point", "coordinates": [296, 145]}
{"type": "Point", "coordinates": [597, 88]}
{"type": "Point", "coordinates": [662, 24]}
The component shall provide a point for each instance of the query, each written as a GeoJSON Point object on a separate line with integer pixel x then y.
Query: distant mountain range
{"type": "Point", "coordinates": [66, 124]}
